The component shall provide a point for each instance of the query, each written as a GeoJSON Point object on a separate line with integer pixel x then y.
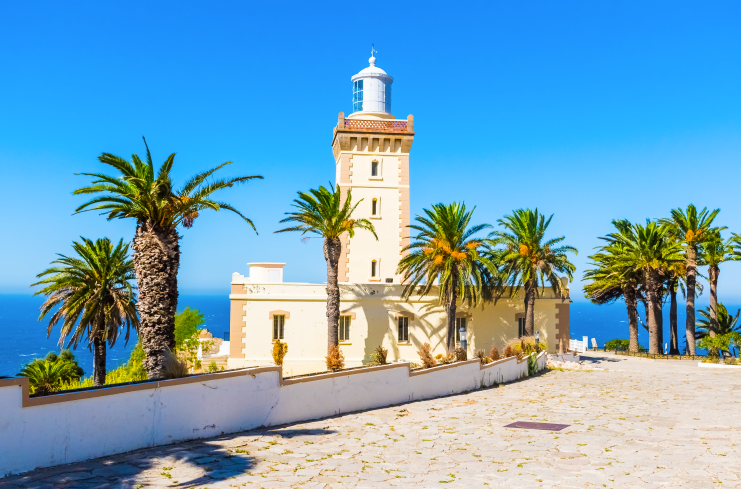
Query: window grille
{"type": "Point", "coordinates": [278, 327]}
{"type": "Point", "coordinates": [357, 96]}
{"type": "Point", "coordinates": [403, 329]}
{"type": "Point", "coordinates": [520, 327]}
{"type": "Point", "coordinates": [344, 328]}
{"type": "Point", "coordinates": [459, 323]}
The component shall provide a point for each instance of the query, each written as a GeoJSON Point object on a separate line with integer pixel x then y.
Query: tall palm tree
{"type": "Point", "coordinates": [692, 228]}
{"type": "Point", "coordinates": [93, 297]}
{"type": "Point", "coordinates": [675, 280]}
{"type": "Point", "coordinates": [611, 279]}
{"type": "Point", "coordinates": [139, 192]}
{"type": "Point", "coordinates": [323, 212]}
{"type": "Point", "coordinates": [652, 251]}
{"type": "Point", "coordinates": [712, 253]}
{"type": "Point", "coordinates": [445, 252]}
{"type": "Point", "coordinates": [529, 260]}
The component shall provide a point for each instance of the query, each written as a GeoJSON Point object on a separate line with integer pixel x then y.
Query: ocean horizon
{"type": "Point", "coordinates": [25, 338]}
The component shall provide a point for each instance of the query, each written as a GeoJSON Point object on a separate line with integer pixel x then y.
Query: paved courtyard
{"type": "Point", "coordinates": [637, 423]}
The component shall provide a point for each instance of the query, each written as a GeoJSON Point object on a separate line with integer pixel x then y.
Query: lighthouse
{"type": "Point", "coordinates": [371, 150]}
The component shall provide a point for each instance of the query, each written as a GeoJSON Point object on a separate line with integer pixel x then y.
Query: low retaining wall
{"type": "Point", "coordinates": [78, 426]}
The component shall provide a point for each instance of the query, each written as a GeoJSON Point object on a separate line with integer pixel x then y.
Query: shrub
{"type": "Point", "coordinates": [45, 377]}
{"type": "Point", "coordinates": [131, 371]}
{"type": "Point", "coordinates": [279, 351]}
{"type": "Point", "coordinates": [616, 344]}
{"type": "Point", "coordinates": [425, 355]}
{"type": "Point", "coordinates": [494, 354]}
{"type": "Point", "coordinates": [379, 355]}
{"type": "Point", "coordinates": [445, 359]}
{"type": "Point", "coordinates": [523, 346]}
{"type": "Point", "coordinates": [532, 365]}
{"type": "Point", "coordinates": [173, 367]}
{"type": "Point", "coordinates": [414, 365]}
{"type": "Point", "coordinates": [212, 367]}
{"type": "Point", "coordinates": [187, 331]}
{"type": "Point", "coordinates": [482, 357]}
{"type": "Point", "coordinates": [335, 359]}
{"type": "Point", "coordinates": [460, 354]}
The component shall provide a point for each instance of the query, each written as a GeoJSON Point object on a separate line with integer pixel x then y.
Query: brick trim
{"type": "Point", "coordinates": [279, 313]}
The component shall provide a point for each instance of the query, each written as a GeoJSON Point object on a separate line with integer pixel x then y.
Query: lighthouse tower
{"type": "Point", "coordinates": [371, 150]}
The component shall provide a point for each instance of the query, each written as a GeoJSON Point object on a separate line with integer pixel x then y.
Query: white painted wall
{"type": "Point", "coordinates": [76, 430]}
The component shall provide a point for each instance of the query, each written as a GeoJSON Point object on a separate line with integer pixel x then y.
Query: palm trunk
{"type": "Point", "coordinates": [156, 262]}
{"type": "Point", "coordinates": [674, 341]}
{"type": "Point", "coordinates": [451, 296]}
{"type": "Point", "coordinates": [654, 309]}
{"type": "Point", "coordinates": [629, 293]}
{"type": "Point", "coordinates": [660, 320]}
{"type": "Point", "coordinates": [530, 306]}
{"type": "Point", "coordinates": [713, 272]}
{"type": "Point", "coordinates": [332, 249]}
{"type": "Point", "coordinates": [690, 278]}
{"type": "Point", "coordinates": [99, 354]}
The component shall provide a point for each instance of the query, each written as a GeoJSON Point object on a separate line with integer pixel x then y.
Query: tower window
{"type": "Point", "coordinates": [403, 329]}
{"type": "Point", "coordinates": [374, 268]}
{"type": "Point", "coordinates": [357, 96]}
{"type": "Point", "coordinates": [278, 327]}
{"type": "Point", "coordinates": [374, 207]}
{"type": "Point", "coordinates": [374, 168]}
{"type": "Point", "coordinates": [344, 328]}
{"type": "Point", "coordinates": [459, 323]}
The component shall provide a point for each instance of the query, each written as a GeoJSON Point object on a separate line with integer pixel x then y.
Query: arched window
{"type": "Point", "coordinates": [374, 207]}
{"type": "Point", "coordinates": [374, 168]}
{"type": "Point", "coordinates": [374, 268]}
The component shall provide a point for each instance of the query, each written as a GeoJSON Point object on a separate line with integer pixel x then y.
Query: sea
{"type": "Point", "coordinates": [23, 337]}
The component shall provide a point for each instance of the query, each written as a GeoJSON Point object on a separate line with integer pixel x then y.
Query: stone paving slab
{"type": "Point", "coordinates": [633, 423]}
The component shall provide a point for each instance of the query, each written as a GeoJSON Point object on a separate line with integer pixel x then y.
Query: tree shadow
{"type": "Point", "coordinates": [196, 463]}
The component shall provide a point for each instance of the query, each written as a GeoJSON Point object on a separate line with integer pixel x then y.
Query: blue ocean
{"type": "Point", "coordinates": [24, 337]}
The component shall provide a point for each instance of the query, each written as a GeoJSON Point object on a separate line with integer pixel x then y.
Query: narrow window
{"type": "Point", "coordinates": [459, 323]}
{"type": "Point", "coordinates": [278, 327]}
{"type": "Point", "coordinates": [374, 268]}
{"type": "Point", "coordinates": [357, 96]}
{"type": "Point", "coordinates": [403, 329]}
{"type": "Point", "coordinates": [374, 169]}
{"type": "Point", "coordinates": [374, 207]}
{"type": "Point", "coordinates": [520, 327]}
{"type": "Point", "coordinates": [344, 328]}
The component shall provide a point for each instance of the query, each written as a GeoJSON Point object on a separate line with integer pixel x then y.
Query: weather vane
{"type": "Point", "coordinates": [373, 50]}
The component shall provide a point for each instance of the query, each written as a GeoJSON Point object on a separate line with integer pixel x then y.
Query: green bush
{"type": "Point", "coordinates": [617, 345]}
{"type": "Point", "coordinates": [131, 371]}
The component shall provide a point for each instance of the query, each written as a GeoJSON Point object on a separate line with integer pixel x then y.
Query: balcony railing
{"type": "Point", "coordinates": [375, 125]}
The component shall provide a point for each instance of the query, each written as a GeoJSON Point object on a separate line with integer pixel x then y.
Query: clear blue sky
{"type": "Point", "coordinates": [589, 110]}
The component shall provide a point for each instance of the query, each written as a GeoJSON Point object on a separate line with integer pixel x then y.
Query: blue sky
{"type": "Point", "coordinates": [588, 110]}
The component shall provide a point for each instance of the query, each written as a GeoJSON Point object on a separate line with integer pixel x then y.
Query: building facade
{"type": "Point", "coordinates": [371, 150]}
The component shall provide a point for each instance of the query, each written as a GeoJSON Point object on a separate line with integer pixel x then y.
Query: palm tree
{"type": "Point", "coordinates": [92, 296]}
{"type": "Point", "coordinates": [652, 251]}
{"type": "Point", "coordinates": [446, 253]}
{"type": "Point", "coordinates": [528, 260]}
{"type": "Point", "coordinates": [322, 212]}
{"type": "Point", "coordinates": [712, 253]}
{"type": "Point", "coordinates": [724, 322]}
{"type": "Point", "coordinates": [151, 199]}
{"type": "Point", "coordinates": [692, 229]}
{"type": "Point", "coordinates": [612, 279]}
{"type": "Point", "coordinates": [45, 377]}
{"type": "Point", "coordinates": [674, 281]}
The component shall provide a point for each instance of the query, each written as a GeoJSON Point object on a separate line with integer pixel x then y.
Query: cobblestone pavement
{"type": "Point", "coordinates": [638, 423]}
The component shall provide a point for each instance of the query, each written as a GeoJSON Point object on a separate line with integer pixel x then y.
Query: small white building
{"type": "Point", "coordinates": [371, 150]}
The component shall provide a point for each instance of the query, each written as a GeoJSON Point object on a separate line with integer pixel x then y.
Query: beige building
{"type": "Point", "coordinates": [371, 150]}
